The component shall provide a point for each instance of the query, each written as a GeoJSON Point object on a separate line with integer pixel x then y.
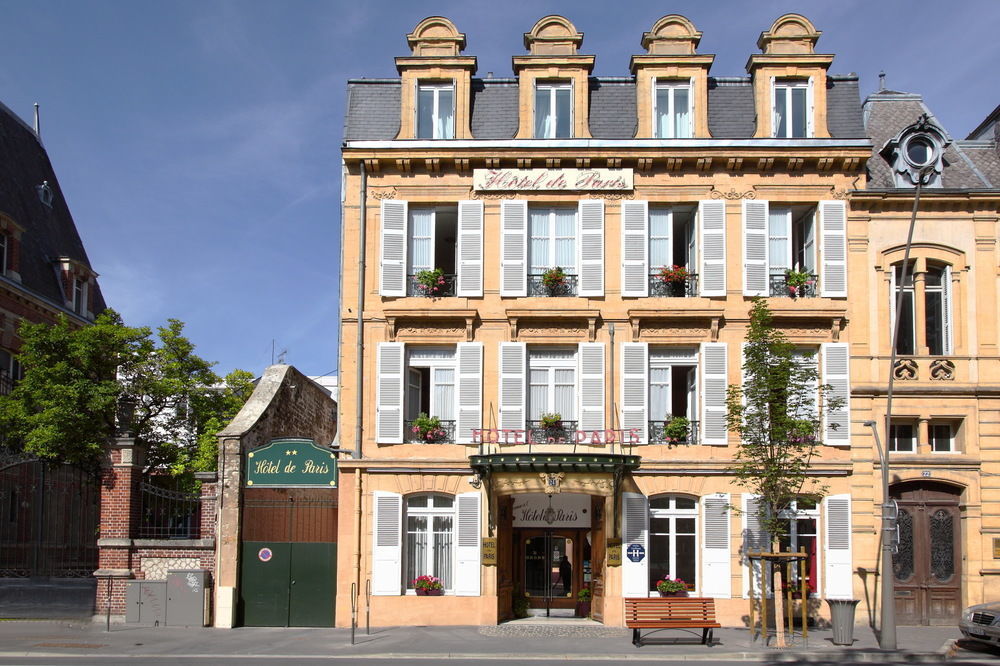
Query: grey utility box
{"type": "Point", "coordinates": [186, 597]}
{"type": "Point", "coordinates": [146, 601]}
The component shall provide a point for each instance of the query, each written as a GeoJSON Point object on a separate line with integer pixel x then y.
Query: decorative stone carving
{"type": "Point", "coordinates": [943, 369]}
{"type": "Point", "coordinates": [383, 193]}
{"type": "Point", "coordinates": [905, 369]}
{"type": "Point", "coordinates": [490, 195]}
{"type": "Point", "coordinates": [551, 482]}
{"type": "Point", "coordinates": [156, 568]}
{"type": "Point", "coordinates": [733, 195]}
{"type": "Point", "coordinates": [611, 196]}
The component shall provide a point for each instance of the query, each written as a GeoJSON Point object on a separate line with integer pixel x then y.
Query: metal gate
{"type": "Point", "coordinates": [49, 518]}
{"type": "Point", "coordinates": [288, 571]}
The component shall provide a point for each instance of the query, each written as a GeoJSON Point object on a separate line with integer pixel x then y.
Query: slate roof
{"type": "Point", "coordinates": [373, 108]}
{"type": "Point", "coordinates": [887, 112]}
{"type": "Point", "coordinates": [49, 232]}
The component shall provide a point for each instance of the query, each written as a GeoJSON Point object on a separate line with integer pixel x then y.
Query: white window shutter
{"type": "Point", "coordinates": [949, 344]}
{"type": "Point", "coordinates": [712, 225]}
{"type": "Point", "coordinates": [470, 390]}
{"type": "Point", "coordinates": [714, 383]}
{"type": "Point", "coordinates": [513, 361]}
{"type": "Point", "coordinates": [591, 280]}
{"type": "Point", "coordinates": [635, 388]}
{"type": "Point", "coordinates": [635, 530]}
{"type": "Point", "coordinates": [470, 248]}
{"type": "Point", "coordinates": [833, 227]}
{"type": "Point", "coordinates": [591, 361]}
{"type": "Point", "coordinates": [755, 245]}
{"type": "Point", "coordinates": [839, 582]}
{"type": "Point", "coordinates": [635, 248]}
{"type": "Point", "coordinates": [716, 571]}
{"type": "Point", "coordinates": [513, 248]}
{"type": "Point", "coordinates": [756, 540]}
{"type": "Point", "coordinates": [467, 573]}
{"type": "Point", "coordinates": [393, 248]}
{"type": "Point", "coordinates": [837, 373]}
{"type": "Point", "coordinates": [387, 537]}
{"type": "Point", "coordinates": [389, 393]}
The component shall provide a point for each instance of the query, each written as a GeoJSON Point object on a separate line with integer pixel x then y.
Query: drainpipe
{"type": "Point", "coordinates": [359, 406]}
{"type": "Point", "coordinates": [357, 531]}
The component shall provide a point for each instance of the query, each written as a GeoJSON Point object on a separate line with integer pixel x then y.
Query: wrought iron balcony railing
{"type": "Point", "coordinates": [445, 287]}
{"type": "Point", "coordinates": [445, 433]}
{"type": "Point", "coordinates": [687, 287]}
{"type": "Point", "coordinates": [537, 286]}
{"type": "Point", "coordinates": [659, 434]}
{"type": "Point", "coordinates": [780, 287]}
{"type": "Point", "coordinates": [563, 433]}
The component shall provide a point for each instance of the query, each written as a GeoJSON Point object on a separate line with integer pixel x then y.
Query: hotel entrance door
{"type": "Point", "coordinates": [550, 568]}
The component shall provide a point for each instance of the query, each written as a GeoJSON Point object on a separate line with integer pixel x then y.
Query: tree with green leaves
{"type": "Point", "coordinates": [82, 386]}
{"type": "Point", "coordinates": [777, 413]}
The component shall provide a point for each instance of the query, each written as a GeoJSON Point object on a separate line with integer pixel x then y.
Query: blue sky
{"type": "Point", "coordinates": [197, 141]}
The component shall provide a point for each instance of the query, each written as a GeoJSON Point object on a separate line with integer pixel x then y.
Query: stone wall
{"type": "Point", "coordinates": [285, 403]}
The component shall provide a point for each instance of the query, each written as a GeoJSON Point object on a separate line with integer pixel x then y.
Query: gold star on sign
{"type": "Point", "coordinates": [294, 452]}
{"type": "Point", "coordinates": [287, 452]}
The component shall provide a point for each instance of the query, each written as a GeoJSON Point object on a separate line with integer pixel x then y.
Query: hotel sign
{"type": "Point", "coordinates": [559, 180]}
{"type": "Point", "coordinates": [291, 462]}
{"type": "Point", "coordinates": [562, 510]}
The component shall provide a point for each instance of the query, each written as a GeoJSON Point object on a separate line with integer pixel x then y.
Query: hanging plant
{"type": "Point", "coordinates": [428, 428]}
{"type": "Point", "coordinates": [674, 274]}
{"type": "Point", "coordinates": [430, 282]}
{"type": "Point", "coordinates": [551, 421]}
{"type": "Point", "coordinates": [676, 430]}
{"type": "Point", "coordinates": [554, 279]}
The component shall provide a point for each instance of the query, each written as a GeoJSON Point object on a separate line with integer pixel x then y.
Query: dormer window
{"type": "Point", "coordinates": [672, 110]}
{"type": "Point", "coordinates": [554, 110]}
{"type": "Point", "coordinates": [79, 296]}
{"type": "Point", "coordinates": [791, 109]}
{"type": "Point", "coordinates": [916, 154]}
{"type": "Point", "coordinates": [45, 194]}
{"type": "Point", "coordinates": [436, 111]}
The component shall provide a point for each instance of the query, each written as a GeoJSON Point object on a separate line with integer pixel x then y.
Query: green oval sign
{"type": "Point", "coordinates": [291, 462]}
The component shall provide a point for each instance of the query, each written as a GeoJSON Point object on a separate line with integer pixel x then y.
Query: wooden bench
{"type": "Point", "coordinates": [671, 613]}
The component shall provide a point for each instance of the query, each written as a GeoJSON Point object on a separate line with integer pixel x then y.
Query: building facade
{"type": "Point", "coordinates": [546, 285]}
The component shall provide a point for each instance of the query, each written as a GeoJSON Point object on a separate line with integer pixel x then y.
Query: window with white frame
{"type": "Point", "coordinates": [791, 108]}
{"type": "Point", "coordinates": [430, 391]}
{"type": "Point", "coordinates": [430, 544]}
{"type": "Point", "coordinates": [672, 243]}
{"type": "Point", "coordinates": [552, 241]}
{"type": "Point", "coordinates": [943, 435]}
{"type": "Point", "coordinates": [801, 528]}
{"type": "Point", "coordinates": [432, 245]}
{"type": "Point", "coordinates": [791, 237]}
{"type": "Point", "coordinates": [552, 384]}
{"type": "Point", "coordinates": [553, 110]}
{"type": "Point", "coordinates": [673, 539]}
{"type": "Point", "coordinates": [934, 337]}
{"type": "Point", "coordinates": [673, 395]}
{"type": "Point", "coordinates": [672, 109]}
{"type": "Point", "coordinates": [79, 296]}
{"type": "Point", "coordinates": [436, 110]}
{"type": "Point", "coordinates": [902, 437]}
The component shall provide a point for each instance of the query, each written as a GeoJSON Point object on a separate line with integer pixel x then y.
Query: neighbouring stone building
{"type": "Point", "coordinates": [546, 285]}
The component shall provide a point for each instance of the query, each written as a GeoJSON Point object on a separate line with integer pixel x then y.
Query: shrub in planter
{"type": "Point", "coordinates": [551, 421]}
{"type": "Point", "coordinates": [554, 279]}
{"type": "Point", "coordinates": [671, 587]}
{"type": "Point", "coordinates": [428, 428]}
{"type": "Point", "coordinates": [583, 602]}
{"type": "Point", "coordinates": [428, 586]}
{"type": "Point", "coordinates": [430, 282]}
{"type": "Point", "coordinates": [676, 430]}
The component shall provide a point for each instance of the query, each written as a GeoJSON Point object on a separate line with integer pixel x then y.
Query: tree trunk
{"type": "Point", "coordinates": [779, 607]}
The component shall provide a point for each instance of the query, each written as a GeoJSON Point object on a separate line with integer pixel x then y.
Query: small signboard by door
{"type": "Point", "coordinates": [286, 463]}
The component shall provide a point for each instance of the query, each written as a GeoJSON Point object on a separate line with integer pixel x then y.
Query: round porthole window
{"type": "Point", "coordinates": [920, 150]}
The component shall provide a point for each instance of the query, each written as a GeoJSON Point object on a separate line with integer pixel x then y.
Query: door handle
{"type": "Point", "coordinates": [293, 582]}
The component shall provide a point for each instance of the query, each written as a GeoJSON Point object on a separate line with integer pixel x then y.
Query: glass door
{"type": "Point", "coordinates": [549, 571]}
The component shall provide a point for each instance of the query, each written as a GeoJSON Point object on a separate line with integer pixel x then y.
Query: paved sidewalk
{"type": "Point", "coordinates": [579, 640]}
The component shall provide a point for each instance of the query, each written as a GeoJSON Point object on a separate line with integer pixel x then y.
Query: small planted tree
{"type": "Point", "coordinates": [777, 413]}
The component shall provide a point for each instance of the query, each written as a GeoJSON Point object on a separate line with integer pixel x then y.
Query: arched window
{"type": "Point", "coordinates": [925, 320]}
{"type": "Point", "coordinates": [673, 539]}
{"type": "Point", "coordinates": [429, 546]}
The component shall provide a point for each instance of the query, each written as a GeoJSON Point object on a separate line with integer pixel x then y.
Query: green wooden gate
{"type": "Point", "coordinates": [288, 572]}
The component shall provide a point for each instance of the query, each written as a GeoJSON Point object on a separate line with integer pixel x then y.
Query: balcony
{"type": "Point", "coordinates": [537, 286]}
{"type": "Point", "coordinates": [564, 434]}
{"type": "Point", "coordinates": [444, 286]}
{"type": "Point", "coordinates": [444, 434]}
{"type": "Point", "coordinates": [660, 434]}
{"type": "Point", "coordinates": [687, 287]}
{"type": "Point", "coordinates": [779, 286]}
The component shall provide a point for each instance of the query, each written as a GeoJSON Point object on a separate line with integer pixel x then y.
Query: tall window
{"type": "Point", "coordinates": [791, 108]}
{"type": "Point", "coordinates": [436, 111]}
{"type": "Point", "coordinates": [432, 243]}
{"type": "Point", "coordinates": [3, 254]}
{"type": "Point", "coordinates": [673, 392]}
{"type": "Point", "coordinates": [79, 292]}
{"type": "Point", "coordinates": [552, 239]}
{"type": "Point", "coordinates": [801, 521]}
{"type": "Point", "coordinates": [673, 539]}
{"type": "Point", "coordinates": [553, 110]}
{"type": "Point", "coordinates": [430, 528]}
{"type": "Point", "coordinates": [942, 434]}
{"type": "Point", "coordinates": [791, 236]}
{"type": "Point", "coordinates": [934, 291]}
{"type": "Point", "coordinates": [430, 389]}
{"type": "Point", "coordinates": [672, 234]}
{"type": "Point", "coordinates": [672, 110]}
{"type": "Point", "coordinates": [551, 382]}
